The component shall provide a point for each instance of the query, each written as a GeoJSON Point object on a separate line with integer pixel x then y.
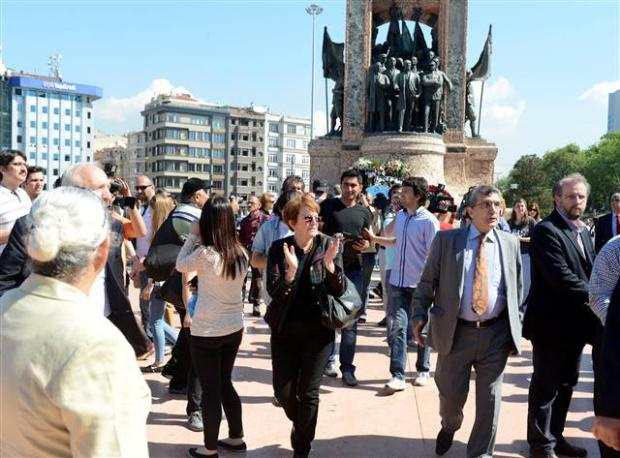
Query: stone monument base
{"type": "Point", "coordinates": [457, 165]}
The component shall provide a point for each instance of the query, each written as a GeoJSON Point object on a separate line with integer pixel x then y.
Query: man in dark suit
{"type": "Point", "coordinates": [558, 320]}
{"type": "Point", "coordinates": [15, 264]}
{"type": "Point", "coordinates": [608, 226]}
{"type": "Point", "coordinates": [472, 284]}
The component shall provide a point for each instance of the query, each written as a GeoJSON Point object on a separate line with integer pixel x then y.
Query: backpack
{"type": "Point", "coordinates": [162, 256]}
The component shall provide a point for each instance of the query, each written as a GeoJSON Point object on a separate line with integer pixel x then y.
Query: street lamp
{"type": "Point", "coordinates": [313, 10]}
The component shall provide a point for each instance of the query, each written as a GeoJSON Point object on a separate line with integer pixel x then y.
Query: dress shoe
{"type": "Point", "coordinates": [542, 454]}
{"type": "Point", "coordinates": [349, 379]}
{"type": "Point", "coordinates": [236, 448]}
{"type": "Point", "coordinates": [444, 442]}
{"type": "Point", "coordinates": [562, 447]}
{"type": "Point", "coordinates": [193, 452]}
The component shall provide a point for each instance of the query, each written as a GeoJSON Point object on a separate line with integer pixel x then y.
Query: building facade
{"type": "Point", "coordinates": [51, 121]}
{"type": "Point", "coordinates": [240, 151]}
{"type": "Point", "coordinates": [613, 114]}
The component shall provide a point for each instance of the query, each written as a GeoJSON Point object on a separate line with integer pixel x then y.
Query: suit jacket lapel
{"type": "Point", "coordinates": [568, 233]}
{"type": "Point", "coordinates": [459, 248]}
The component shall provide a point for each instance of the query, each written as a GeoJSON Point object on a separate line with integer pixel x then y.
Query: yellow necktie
{"type": "Point", "coordinates": [480, 295]}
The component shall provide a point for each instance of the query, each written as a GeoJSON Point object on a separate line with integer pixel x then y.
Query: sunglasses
{"type": "Point", "coordinates": [142, 188]}
{"type": "Point", "coordinates": [309, 219]}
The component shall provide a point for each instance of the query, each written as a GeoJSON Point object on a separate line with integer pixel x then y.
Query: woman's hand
{"type": "Point", "coordinates": [333, 248]}
{"type": "Point", "coordinates": [147, 291]}
{"type": "Point", "coordinates": [291, 262]}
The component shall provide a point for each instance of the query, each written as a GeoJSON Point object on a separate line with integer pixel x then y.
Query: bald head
{"type": "Point", "coordinates": [89, 176]}
{"type": "Point", "coordinates": [144, 189]}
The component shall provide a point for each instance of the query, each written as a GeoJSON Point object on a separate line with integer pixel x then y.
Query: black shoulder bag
{"type": "Point", "coordinates": [340, 312]}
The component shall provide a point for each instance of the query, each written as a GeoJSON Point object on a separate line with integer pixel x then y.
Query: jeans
{"type": "Point", "coordinates": [161, 330]}
{"type": "Point", "coordinates": [400, 310]}
{"type": "Point", "coordinates": [144, 306]}
{"type": "Point", "coordinates": [297, 367]}
{"type": "Point", "coordinates": [214, 358]}
{"type": "Point", "coordinates": [349, 335]}
{"type": "Point", "coordinates": [368, 265]}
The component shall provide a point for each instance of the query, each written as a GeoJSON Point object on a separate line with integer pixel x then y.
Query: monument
{"type": "Point", "coordinates": [402, 99]}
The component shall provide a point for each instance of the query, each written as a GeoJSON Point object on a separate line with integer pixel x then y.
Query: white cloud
{"type": "Point", "coordinates": [119, 114]}
{"type": "Point", "coordinates": [501, 109]}
{"type": "Point", "coordinates": [598, 94]}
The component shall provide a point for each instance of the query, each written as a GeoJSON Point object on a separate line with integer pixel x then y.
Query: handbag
{"type": "Point", "coordinates": [341, 312]}
{"type": "Point", "coordinates": [172, 289]}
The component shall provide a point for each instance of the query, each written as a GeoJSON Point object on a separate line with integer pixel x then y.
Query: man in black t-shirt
{"type": "Point", "coordinates": [346, 216]}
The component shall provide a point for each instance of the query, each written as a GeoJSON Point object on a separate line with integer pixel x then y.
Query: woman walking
{"type": "Point", "coordinates": [161, 206]}
{"type": "Point", "coordinates": [297, 269]}
{"type": "Point", "coordinates": [213, 251]}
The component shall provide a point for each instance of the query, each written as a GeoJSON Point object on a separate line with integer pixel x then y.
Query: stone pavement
{"type": "Point", "coordinates": [360, 421]}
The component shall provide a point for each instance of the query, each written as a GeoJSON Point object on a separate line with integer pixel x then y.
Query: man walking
{"type": "Point", "coordinates": [472, 284]}
{"type": "Point", "coordinates": [558, 320]}
{"type": "Point", "coordinates": [413, 231]}
{"type": "Point", "coordinates": [347, 217]}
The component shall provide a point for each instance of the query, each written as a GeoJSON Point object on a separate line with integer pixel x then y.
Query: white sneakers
{"type": "Point", "coordinates": [396, 384]}
{"type": "Point", "coordinates": [422, 379]}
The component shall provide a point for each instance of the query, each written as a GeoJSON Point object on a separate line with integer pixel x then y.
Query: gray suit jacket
{"type": "Point", "coordinates": [441, 286]}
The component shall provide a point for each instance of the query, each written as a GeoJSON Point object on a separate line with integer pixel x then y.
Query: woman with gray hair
{"type": "Point", "coordinates": [70, 383]}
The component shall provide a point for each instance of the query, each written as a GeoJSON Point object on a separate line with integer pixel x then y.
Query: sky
{"type": "Point", "coordinates": [553, 62]}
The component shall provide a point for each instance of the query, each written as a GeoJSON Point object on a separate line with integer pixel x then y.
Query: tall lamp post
{"type": "Point", "coordinates": [313, 10]}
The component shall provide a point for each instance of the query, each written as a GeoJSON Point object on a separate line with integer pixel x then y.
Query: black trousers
{"type": "Point", "coordinates": [556, 371]}
{"type": "Point", "coordinates": [297, 368]}
{"type": "Point", "coordinates": [214, 358]}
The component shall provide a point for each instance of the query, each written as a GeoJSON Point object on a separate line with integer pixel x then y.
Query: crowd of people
{"type": "Point", "coordinates": [467, 288]}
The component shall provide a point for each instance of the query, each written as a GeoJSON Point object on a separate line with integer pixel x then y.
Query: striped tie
{"type": "Point", "coordinates": [480, 294]}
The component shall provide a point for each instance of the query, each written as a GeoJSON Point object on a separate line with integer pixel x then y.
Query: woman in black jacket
{"type": "Point", "coordinates": [299, 270]}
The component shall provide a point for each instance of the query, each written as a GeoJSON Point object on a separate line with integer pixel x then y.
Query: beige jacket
{"type": "Point", "coordinates": [69, 382]}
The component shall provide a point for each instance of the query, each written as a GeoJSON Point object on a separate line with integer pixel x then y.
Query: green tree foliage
{"type": "Point", "coordinates": [533, 177]}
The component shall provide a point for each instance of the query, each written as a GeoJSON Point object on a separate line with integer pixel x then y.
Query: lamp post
{"type": "Point", "coordinates": [313, 10]}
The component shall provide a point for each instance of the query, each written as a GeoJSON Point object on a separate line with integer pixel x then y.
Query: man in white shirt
{"type": "Point", "coordinates": [14, 202]}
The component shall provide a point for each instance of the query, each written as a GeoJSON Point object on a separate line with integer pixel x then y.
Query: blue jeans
{"type": "Point", "coordinates": [400, 309]}
{"type": "Point", "coordinates": [349, 335]}
{"type": "Point", "coordinates": [368, 264]}
{"type": "Point", "coordinates": [160, 329]}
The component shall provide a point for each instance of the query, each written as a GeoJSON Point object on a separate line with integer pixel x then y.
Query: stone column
{"type": "Point", "coordinates": [358, 37]}
{"type": "Point", "coordinates": [453, 31]}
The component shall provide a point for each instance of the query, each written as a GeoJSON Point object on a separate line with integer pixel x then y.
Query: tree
{"type": "Point", "coordinates": [603, 169]}
{"type": "Point", "coordinates": [563, 161]}
{"type": "Point", "coordinates": [528, 180]}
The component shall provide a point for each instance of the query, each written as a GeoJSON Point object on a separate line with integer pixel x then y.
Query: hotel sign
{"type": "Point", "coordinates": [28, 82]}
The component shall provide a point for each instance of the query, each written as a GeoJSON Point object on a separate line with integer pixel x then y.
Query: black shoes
{"type": "Point", "coordinates": [444, 442]}
{"type": "Point", "coordinates": [235, 448]}
{"type": "Point", "coordinates": [349, 379]}
{"type": "Point", "coordinates": [193, 452]}
{"type": "Point", "coordinates": [562, 447]}
{"type": "Point", "coordinates": [542, 454]}
{"type": "Point", "coordinates": [256, 310]}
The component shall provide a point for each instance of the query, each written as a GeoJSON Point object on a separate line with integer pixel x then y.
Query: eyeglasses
{"type": "Point", "coordinates": [490, 205]}
{"type": "Point", "coordinates": [142, 188]}
{"type": "Point", "coordinates": [310, 219]}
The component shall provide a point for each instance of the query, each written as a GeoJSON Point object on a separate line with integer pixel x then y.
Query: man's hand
{"type": "Point", "coordinates": [361, 245]}
{"type": "Point", "coordinates": [418, 325]}
{"type": "Point", "coordinates": [368, 233]}
{"type": "Point", "coordinates": [607, 430]}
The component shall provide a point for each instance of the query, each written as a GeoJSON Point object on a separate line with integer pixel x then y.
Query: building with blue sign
{"type": "Point", "coordinates": [51, 121]}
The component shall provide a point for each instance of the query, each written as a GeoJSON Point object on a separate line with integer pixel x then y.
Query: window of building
{"type": "Point", "coordinates": [273, 173]}
{"type": "Point", "coordinates": [219, 169]}
{"type": "Point", "coordinates": [33, 124]}
{"type": "Point", "coordinates": [218, 122]}
{"type": "Point", "coordinates": [56, 126]}
{"type": "Point", "coordinates": [290, 143]}
{"type": "Point", "coordinates": [33, 155]}
{"type": "Point", "coordinates": [305, 174]}
{"type": "Point", "coordinates": [67, 142]}
{"type": "Point", "coordinates": [78, 143]}
{"type": "Point", "coordinates": [218, 184]}
{"type": "Point", "coordinates": [56, 141]}
{"type": "Point", "coordinates": [272, 188]}
{"type": "Point", "coordinates": [44, 140]}
{"type": "Point", "coordinates": [33, 108]}
{"type": "Point", "coordinates": [88, 130]}
{"type": "Point", "coordinates": [67, 112]}
{"type": "Point", "coordinates": [67, 158]}
{"type": "Point", "coordinates": [19, 139]}
{"type": "Point", "coordinates": [273, 141]}
{"type": "Point", "coordinates": [67, 127]}
{"type": "Point", "coordinates": [191, 167]}
{"type": "Point", "coordinates": [88, 145]}
{"type": "Point", "coordinates": [291, 129]}
{"type": "Point", "coordinates": [55, 157]}
{"type": "Point", "coordinates": [20, 124]}
{"type": "Point", "coordinates": [44, 125]}
{"type": "Point", "coordinates": [219, 154]}
{"type": "Point", "coordinates": [273, 157]}
{"type": "Point", "coordinates": [44, 110]}
{"type": "Point", "coordinates": [290, 171]}
{"type": "Point", "coordinates": [219, 138]}
{"type": "Point", "coordinates": [78, 113]}
{"type": "Point", "coordinates": [77, 128]}
{"type": "Point", "coordinates": [274, 128]}
{"type": "Point", "coordinates": [33, 140]}
{"type": "Point", "coordinates": [305, 159]}
{"type": "Point", "coordinates": [44, 156]}
{"type": "Point", "coordinates": [18, 92]}
{"type": "Point", "coordinates": [290, 158]}
{"type": "Point", "coordinates": [88, 114]}
{"type": "Point", "coordinates": [56, 110]}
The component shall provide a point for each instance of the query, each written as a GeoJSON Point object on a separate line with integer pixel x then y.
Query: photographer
{"type": "Point", "coordinates": [125, 207]}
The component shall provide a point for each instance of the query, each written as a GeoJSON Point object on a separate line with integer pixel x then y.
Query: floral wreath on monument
{"type": "Point", "coordinates": [392, 172]}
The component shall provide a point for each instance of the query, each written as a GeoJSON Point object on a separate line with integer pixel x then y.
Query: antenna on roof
{"type": "Point", "coordinates": [54, 64]}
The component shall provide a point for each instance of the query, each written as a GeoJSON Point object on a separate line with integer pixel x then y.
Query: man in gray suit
{"type": "Point", "coordinates": [472, 284]}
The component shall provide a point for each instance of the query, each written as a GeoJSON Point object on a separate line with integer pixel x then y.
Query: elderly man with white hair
{"type": "Point", "coordinates": [70, 384]}
{"type": "Point", "coordinates": [108, 292]}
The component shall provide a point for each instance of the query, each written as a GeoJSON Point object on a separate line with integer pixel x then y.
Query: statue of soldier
{"type": "Point", "coordinates": [470, 106]}
{"type": "Point", "coordinates": [382, 59]}
{"type": "Point", "coordinates": [337, 107]}
{"type": "Point", "coordinates": [392, 72]}
{"type": "Point", "coordinates": [378, 86]}
{"type": "Point", "coordinates": [433, 83]}
{"type": "Point", "coordinates": [408, 87]}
